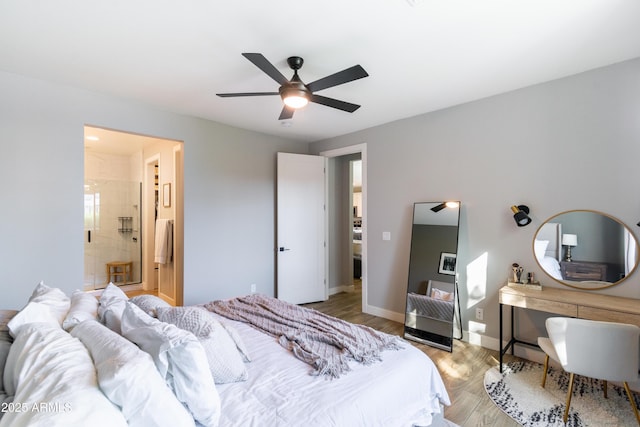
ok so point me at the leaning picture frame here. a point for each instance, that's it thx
(447, 263)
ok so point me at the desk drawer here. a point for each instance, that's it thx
(592, 313)
(540, 304)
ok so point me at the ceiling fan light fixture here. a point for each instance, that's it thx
(295, 101)
(295, 95)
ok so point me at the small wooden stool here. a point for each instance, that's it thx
(119, 269)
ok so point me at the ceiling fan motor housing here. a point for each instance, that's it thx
(295, 62)
(295, 86)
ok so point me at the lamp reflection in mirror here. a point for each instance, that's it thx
(451, 205)
(521, 215)
(569, 240)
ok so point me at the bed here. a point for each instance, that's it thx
(114, 372)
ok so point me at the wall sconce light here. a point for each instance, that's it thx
(569, 240)
(521, 215)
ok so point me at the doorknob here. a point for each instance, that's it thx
(282, 249)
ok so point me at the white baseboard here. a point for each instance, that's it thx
(523, 351)
(343, 288)
(387, 314)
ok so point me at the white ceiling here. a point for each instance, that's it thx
(421, 55)
(100, 140)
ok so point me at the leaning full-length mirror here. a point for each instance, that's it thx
(586, 249)
(431, 290)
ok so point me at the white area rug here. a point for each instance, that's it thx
(517, 392)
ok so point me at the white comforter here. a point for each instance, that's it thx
(55, 383)
(281, 392)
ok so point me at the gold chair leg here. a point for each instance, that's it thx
(544, 374)
(566, 409)
(633, 402)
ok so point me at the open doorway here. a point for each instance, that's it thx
(347, 220)
(131, 181)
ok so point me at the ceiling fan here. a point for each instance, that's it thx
(294, 92)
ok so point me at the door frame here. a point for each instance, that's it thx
(149, 279)
(178, 215)
(338, 152)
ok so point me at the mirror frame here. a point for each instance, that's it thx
(576, 285)
(427, 329)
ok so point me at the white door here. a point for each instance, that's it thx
(301, 228)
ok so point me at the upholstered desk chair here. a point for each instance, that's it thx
(603, 350)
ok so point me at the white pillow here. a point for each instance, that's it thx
(539, 248)
(180, 359)
(33, 312)
(48, 366)
(111, 306)
(149, 303)
(235, 336)
(441, 295)
(551, 266)
(128, 377)
(55, 298)
(225, 361)
(84, 306)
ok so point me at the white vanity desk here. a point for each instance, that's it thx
(570, 303)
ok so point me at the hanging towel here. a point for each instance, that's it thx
(164, 241)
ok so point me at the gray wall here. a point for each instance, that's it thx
(490, 154)
(229, 191)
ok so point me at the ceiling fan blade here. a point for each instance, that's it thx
(334, 103)
(350, 74)
(267, 67)
(229, 95)
(287, 113)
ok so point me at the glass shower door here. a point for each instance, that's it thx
(112, 243)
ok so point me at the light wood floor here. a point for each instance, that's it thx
(462, 370)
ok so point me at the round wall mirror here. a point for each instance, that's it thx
(586, 249)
